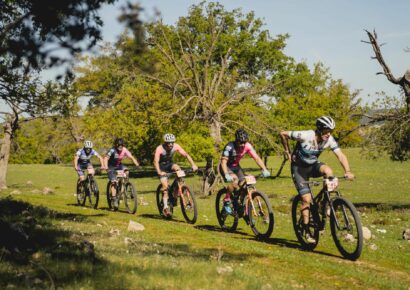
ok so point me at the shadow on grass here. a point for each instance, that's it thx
(381, 206)
(160, 217)
(34, 253)
(213, 228)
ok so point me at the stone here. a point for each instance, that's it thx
(367, 234)
(373, 247)
(47, 190)
(406, 234)
(224, 270)
(135, 227)
(114, 232)
(382, 231)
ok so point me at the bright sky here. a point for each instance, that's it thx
(329, 31)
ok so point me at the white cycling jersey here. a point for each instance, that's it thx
(307, 149)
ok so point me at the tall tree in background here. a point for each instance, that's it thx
(393, 135)
(214, 60)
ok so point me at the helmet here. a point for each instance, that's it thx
(325, 122)
(169, 138)
(88, 144)
(119, 142)
(241, 136)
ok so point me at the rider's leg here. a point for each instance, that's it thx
(325, 170)
(164, 189)
(113, 184)
(305, 208)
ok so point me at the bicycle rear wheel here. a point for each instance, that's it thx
(188, 205)
(228, 221)
(81, 193)
(130, 198)
(312, 229)
(346, 228)
(260, 215)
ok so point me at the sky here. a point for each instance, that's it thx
(326, 31)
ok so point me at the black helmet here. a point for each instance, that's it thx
(119, 142)
(241, 136)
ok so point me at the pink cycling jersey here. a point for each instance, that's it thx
(235, 154)
(165, 156)
(117, 156)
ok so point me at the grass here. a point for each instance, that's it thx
(51, 241)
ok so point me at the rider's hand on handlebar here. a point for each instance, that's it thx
(162, 173)
(349, 175)
(228, 177)
(194, 168)
(265, 173)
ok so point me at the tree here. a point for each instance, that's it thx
(391, 115)
(25, 98)
(31, 31)
(214, 60)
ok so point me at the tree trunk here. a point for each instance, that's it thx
(215, 132)
(5, 154)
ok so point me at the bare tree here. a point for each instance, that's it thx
(403, 82)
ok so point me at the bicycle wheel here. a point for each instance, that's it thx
(81, 193)
(311, 230)
(260, 215)
(160, 202)
(228, 221)
(93, 193)
(188, 205)
(130, 198)
(346, 228)
(110, 199)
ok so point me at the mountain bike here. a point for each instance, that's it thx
(179, 190)
(247, 203)
(88, 190)
(345, 224)
(125, 192)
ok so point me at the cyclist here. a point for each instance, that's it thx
(82, 160)
(163, 163)
(229, 167)
(113, 162)
(305, 163)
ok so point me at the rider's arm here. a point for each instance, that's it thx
(76, 161)
(193, 165)
(344, 162)
(284, 136)
(134, 160)
(156, 160)
(224, 162)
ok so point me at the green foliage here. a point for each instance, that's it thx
(317, 95)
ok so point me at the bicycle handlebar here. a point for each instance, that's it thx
(320, 181)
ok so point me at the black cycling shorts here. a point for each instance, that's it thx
(302, 173)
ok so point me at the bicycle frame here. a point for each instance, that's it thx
(176, 187)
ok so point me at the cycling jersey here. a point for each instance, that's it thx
(115, 156)
(307, 149)
(235, 154)
(165, 157)
(83, 158)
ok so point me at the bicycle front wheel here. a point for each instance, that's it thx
(130, 198)
(93, 193)
(188, 205)
(308, 236)
(227, 220)
(81, 193)
(260, 215)
(346, 228)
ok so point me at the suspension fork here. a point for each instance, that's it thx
(250, 202)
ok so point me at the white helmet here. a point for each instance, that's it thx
(169, 138)
(325, 122)
(88, 144)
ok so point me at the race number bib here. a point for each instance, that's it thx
(120, 173)
(250, 179)
(180, 173)
(332, 184)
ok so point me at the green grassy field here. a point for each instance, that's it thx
(52, 242)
